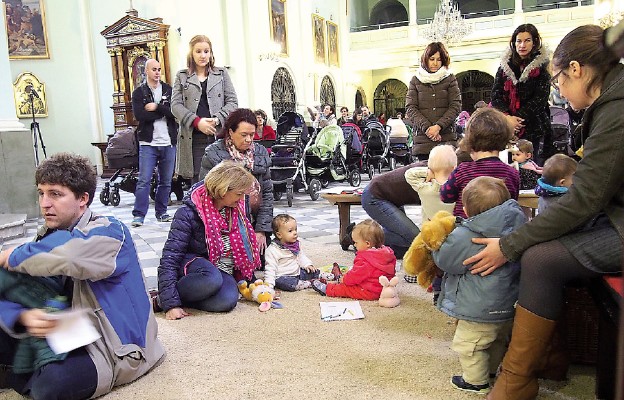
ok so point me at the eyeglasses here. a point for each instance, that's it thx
(554, 81)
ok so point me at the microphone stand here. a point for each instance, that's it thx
(36, 131)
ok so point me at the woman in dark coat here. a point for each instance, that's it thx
(210, 247)
(521, 89)
(433, 102)
(238, 145)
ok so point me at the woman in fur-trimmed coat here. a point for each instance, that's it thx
(521, 89)
(433, 101)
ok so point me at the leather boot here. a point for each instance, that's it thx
(557, 360)
(530, 338)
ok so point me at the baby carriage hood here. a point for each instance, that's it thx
(399, 129)
(326, 141)
(122, 150)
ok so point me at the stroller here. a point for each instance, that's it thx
(288, 170)
(400, 149)
(334, 156)
(122, 153)
(376, 147)
(561, 127)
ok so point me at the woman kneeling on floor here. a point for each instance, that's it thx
(211, 245)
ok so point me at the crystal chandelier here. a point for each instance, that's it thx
(447, 26)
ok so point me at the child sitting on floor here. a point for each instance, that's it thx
(286, 267)
(556, 179)
(529, 170)
(484, 306)
(426, 181)
(372, 260)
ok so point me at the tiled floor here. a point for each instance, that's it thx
(317, 221)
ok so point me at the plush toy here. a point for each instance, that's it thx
(260, 293)
(417, 259)
(390, 293)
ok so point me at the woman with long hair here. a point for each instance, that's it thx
(203, 96)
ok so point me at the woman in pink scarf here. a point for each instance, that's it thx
(211, 245)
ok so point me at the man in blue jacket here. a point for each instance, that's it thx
(157, 134)
(96, 260)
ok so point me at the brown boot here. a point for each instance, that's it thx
(557, 360)
(530, 337)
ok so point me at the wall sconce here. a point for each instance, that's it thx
(272, 53)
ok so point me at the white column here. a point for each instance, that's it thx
(8, 114)
(518, 7)
(413, 15)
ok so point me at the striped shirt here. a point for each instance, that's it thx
(226, 262)
(452, 190)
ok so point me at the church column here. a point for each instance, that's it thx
(413, 14)
(160, 45)
(111, 52)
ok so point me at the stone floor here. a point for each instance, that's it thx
(317, 221)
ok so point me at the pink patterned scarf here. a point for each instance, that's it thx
(242, 236)
(246, 157)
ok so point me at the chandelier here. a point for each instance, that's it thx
(447, 26)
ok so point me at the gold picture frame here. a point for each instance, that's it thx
(29, 92)
(318, 35)
(277, 17)
(26, 29)
(333, 52)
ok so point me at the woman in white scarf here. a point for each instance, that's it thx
(433, 101)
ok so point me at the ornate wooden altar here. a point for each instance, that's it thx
(131, 41)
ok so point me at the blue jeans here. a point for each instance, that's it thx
(205, 287)
(151, 157)
(73, 378)
(289, 283)
(399, 229)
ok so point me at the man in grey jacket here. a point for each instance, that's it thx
(96, 259)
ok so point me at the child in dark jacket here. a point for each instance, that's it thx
(528, 169)
(556, 179)
(372, 260)
(484, 305)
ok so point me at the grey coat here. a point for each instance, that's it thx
(184, 101)
(428, 104)
(217, 152)
(479, 298)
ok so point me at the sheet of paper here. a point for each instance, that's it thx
(74, 330)
(338, 190)
(341, 311)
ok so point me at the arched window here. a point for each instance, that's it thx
(283, 95)
(327, 94)
(390, 98)
(389, 13)
(474, 86)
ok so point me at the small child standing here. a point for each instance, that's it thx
(484, 306)
(556, 179)
(372, 260)
(529, 170)
(286, 267)
(487, 134)
(426, 181)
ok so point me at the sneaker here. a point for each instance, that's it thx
(319, 287)
(411, 278)
(137, 221)
(347, 240)
(164, 218)
(153, 294)
(459, 383)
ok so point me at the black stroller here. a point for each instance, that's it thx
(376, 146)
(562, 130)
(287, 162)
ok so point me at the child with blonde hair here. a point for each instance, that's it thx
(286, 267)
(372, 260)
(556, 179)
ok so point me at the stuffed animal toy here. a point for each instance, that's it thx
(417, 259)
(389, 293)
(260, 293)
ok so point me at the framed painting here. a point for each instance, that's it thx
(26, 29)
(332, 44)
(277, 12)
(318, 35)
(30, 96)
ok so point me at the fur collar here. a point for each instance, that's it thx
(432, 78)
(541, 59)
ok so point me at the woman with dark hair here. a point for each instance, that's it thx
(203, 95)
(579, 236)
(263, 131)
(210, 247)
(238, 145)
(521, 89)
(433, 101)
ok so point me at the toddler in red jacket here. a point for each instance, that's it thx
(372, 260)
